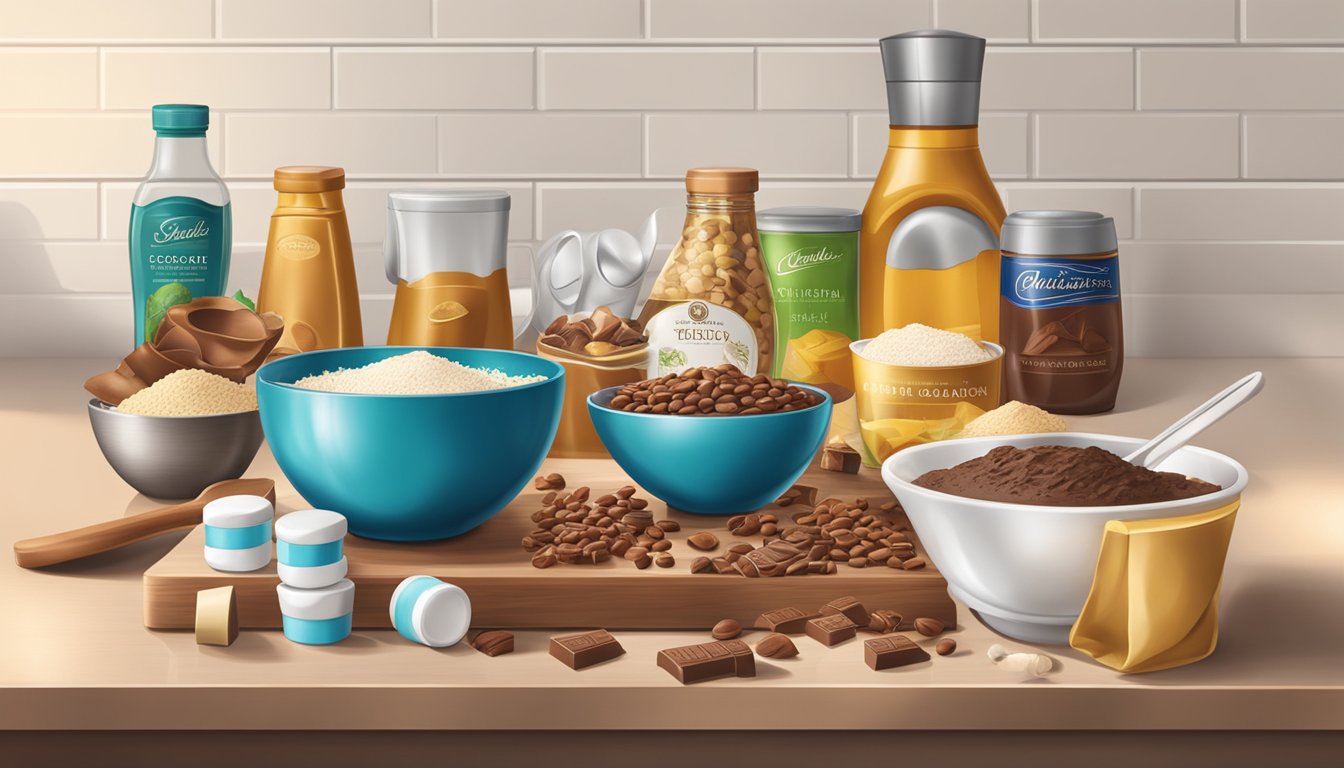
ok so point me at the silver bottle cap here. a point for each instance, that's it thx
(1058, 233)
(808, 218)
(933, 77)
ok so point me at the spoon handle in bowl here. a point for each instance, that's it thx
(106, 536)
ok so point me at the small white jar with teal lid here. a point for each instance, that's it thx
(317, 616)
(430, 612)
(309, 548)
(238, 533)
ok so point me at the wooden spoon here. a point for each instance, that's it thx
(114, 534)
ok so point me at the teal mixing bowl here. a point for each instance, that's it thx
(409, 467)
(712, 465)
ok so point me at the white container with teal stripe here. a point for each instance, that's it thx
(238, 533)
(430, 612)
(309, 548)
(317, 616)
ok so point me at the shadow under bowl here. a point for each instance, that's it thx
(410, 467)
(712, 465)
(175, 457)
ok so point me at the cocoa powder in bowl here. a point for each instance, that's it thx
(1061, 476)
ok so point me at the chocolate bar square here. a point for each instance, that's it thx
(788, 621)
(849, 607)
(830, 630)
(586, 648)
(707, 661)
(892, 651)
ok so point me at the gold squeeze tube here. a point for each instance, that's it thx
(584, 375)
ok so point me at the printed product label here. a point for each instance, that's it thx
(699, 334)
(1042, 283)
(814, 281)
(179, 251)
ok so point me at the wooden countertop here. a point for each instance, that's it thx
(75, 655)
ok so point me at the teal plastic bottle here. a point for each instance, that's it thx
(181, 227)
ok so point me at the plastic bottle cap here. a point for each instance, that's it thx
(242, 511)
(722, 181)
(309, 178)
(317, 604)
(311, 526)
(180, 119)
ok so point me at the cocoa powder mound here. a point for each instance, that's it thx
(1061, 476)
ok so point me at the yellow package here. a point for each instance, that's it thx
(1154, 598)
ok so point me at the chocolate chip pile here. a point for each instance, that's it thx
(601, 333)
(723, 390)
(832, 532)
(573, 530)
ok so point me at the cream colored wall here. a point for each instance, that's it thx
(1212, 130)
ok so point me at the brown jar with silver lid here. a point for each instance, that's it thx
(1059, 310)
(711, 303)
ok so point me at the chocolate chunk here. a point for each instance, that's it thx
(493, 643)
(586, 648)
(892, 651)
(840, 458)
(789, 621)
(707, 661)
(849, 607)
(771, 560)
(830, 630)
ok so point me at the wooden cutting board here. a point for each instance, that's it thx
(506, 591)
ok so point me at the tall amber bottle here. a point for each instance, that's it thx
(928, 251)
(308, 277)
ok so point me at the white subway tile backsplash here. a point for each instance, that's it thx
(647, 78)
(1241, 78)
(48, 78)
(224, 78)
(48, 212)
(777, 144)
(539, 19)
(1116, 201)
(539, 145)
(999, 21)
(1294, 212)
(1003, 143)
(363, 144)
(1208, 129)
(433, 78)
(1136, 20)
(1137, 146)
(1058, 79)
(822, 78)
(1294, 146)
(323, 19)
(102, 20)
(1179, 268)
(1293, 21)
(773, 19)
(81, 145)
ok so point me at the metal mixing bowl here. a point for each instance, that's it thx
(175, 457)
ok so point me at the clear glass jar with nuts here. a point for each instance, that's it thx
(711, 303)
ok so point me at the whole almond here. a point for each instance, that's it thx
(883, 621)
(726, 630)
(668, 525)
(634, 553)
(777, 646)
(915, 563)
(665, 560)
(946, 647)
(703, 541)
(929, 627)
(641, 562)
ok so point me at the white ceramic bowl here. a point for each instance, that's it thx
(1027, 569)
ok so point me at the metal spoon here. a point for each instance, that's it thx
(114, 534)
(1153, 452)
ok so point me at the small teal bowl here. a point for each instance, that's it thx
(712, 465)
(409, 467)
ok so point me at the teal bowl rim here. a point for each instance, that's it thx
(826, 400)
(557, 372)
(111, 410)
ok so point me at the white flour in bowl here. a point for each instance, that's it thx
(920, 345)
(414, 373)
